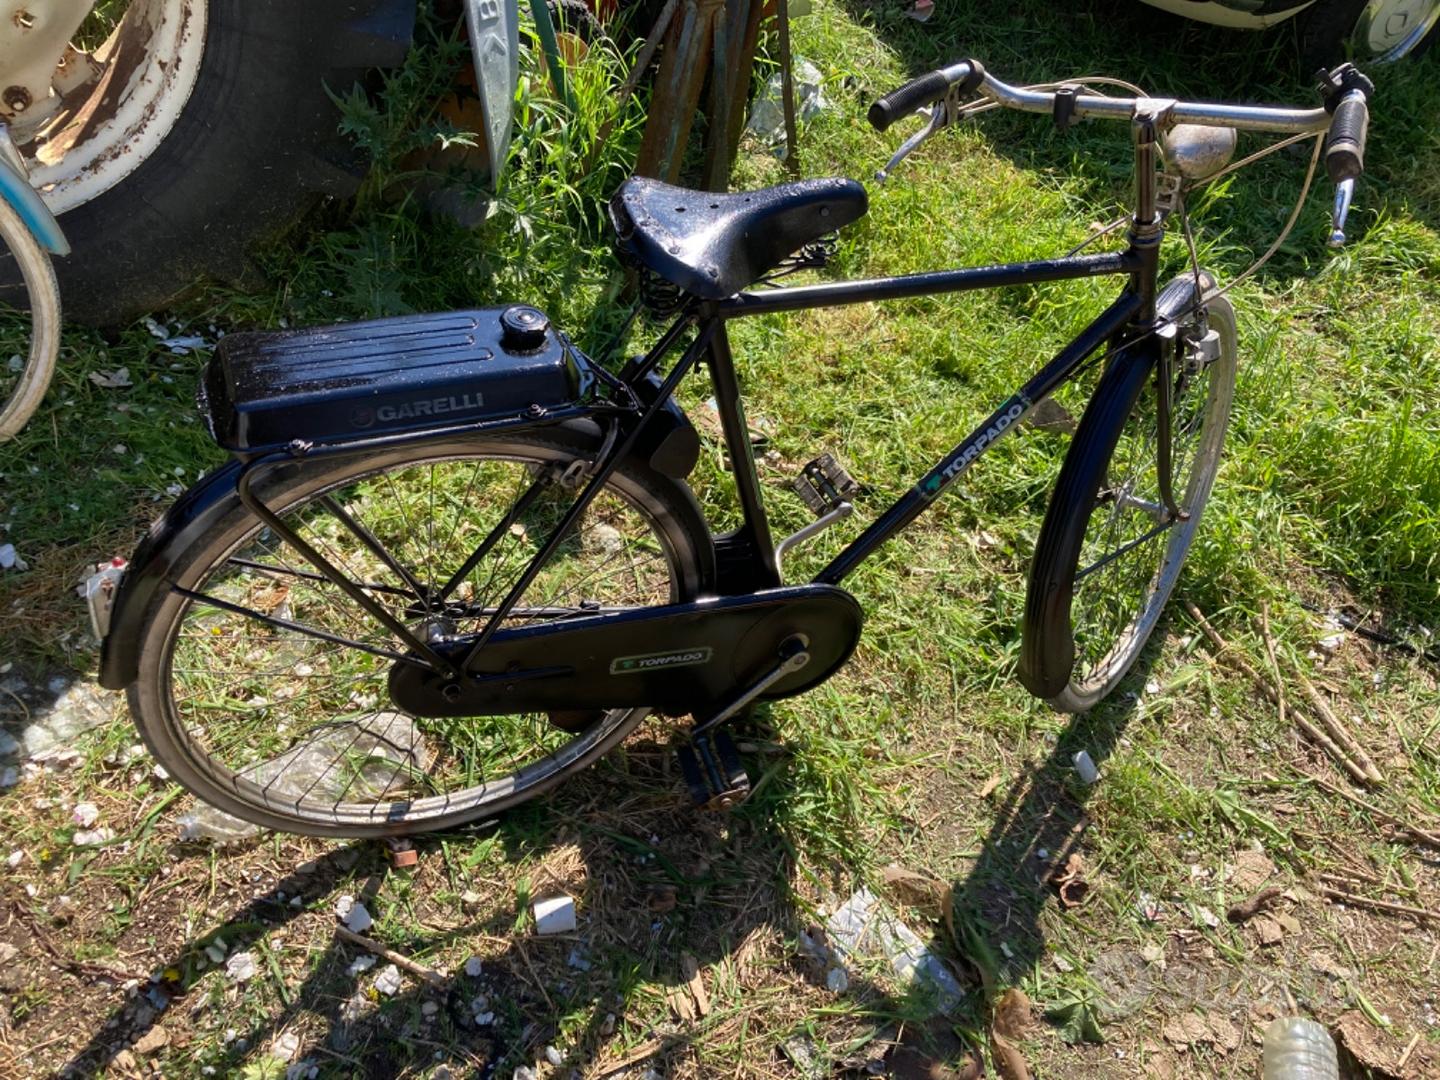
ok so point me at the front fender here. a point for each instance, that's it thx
(150, 571)
(21, 197)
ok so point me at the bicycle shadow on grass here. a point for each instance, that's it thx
(1039, 823)
(663, 891)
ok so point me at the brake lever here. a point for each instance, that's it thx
(1344, 192)
(942, 114)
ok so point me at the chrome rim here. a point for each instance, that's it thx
(1390, 29)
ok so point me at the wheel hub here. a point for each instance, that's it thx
(1389, 29)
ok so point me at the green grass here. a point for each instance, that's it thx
(1330, 493)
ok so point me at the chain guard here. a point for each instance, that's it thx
(677, 658)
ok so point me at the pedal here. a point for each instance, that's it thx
(823, 485)
(713, 772)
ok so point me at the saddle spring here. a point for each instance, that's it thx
(812, 256)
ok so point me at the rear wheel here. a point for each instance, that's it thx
(1109, 552)
(288, 723)
(29, 323)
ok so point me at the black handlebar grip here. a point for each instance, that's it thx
(915, 94)
(1345, 149)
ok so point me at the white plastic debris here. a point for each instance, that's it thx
(553, 1056)
(555, 915)
(837, 980)
(216, 951)
(285, 1047)
(92, 837)
(78, 707)
(767, 117)
(1085, 768)
(863, 925)
(216, 826)
(358, 919)
(241, 966)
(383, 753)
(15, 858)
(472, 967)
(388, 981)
(429, 1009)
(118, 379)
(98, 591)
(343, 903)
(360, 965)
(85, 814)
(9, 560)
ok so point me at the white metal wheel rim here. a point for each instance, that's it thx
(44, 297)
(1389, 29)
(167, 40)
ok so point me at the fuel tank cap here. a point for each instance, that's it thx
(523, 328)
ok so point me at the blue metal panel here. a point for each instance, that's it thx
(16, 191)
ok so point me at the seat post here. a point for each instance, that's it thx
(756, 529)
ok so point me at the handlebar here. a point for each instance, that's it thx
(1345, 148)
(1347, 127)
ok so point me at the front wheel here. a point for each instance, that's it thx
(1110, 552)
(29, 322)
(263, 688)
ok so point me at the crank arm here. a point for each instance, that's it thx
(794, 656)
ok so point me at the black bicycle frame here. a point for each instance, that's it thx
(1127, 324)
(1127, 318)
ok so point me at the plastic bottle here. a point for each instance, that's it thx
(1299, 1049)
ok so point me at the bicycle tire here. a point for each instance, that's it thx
(29, 308)
(1078, 645)
(193, 756)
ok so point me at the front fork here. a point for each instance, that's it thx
(1147, 230)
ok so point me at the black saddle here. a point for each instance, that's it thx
(712, 246)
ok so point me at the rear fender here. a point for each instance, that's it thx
(152, 567)
(149, 573)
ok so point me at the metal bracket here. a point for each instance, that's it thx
(1064, 111)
